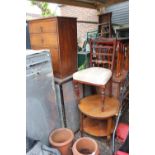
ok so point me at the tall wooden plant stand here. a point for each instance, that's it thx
(94, 121)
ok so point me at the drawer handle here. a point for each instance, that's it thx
(41, 29)
(42, 41)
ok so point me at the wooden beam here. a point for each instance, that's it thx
(107, 3)
(111, 2)
(93, 4)
(86, 22)
(71, 2)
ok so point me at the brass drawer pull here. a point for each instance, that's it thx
(42, 40)
(41, 28)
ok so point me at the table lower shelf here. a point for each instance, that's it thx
(95, 127)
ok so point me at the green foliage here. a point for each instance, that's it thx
(33, 2)
(84, 65)
(44, 8)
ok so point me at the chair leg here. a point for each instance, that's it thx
(81, 124)
(109, 126)
(102, 89)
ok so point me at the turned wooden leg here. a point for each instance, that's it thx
(102, 91)
(110, 88)
(81, 124)
(109, 127)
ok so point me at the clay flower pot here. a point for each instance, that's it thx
(62, 139)
(85, 146)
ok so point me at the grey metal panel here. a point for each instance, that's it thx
(59, 103)
(71, 107)
(120, 13)
(37, 58)
(41, 108)
(67, 105)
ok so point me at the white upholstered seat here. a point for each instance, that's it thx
(94, 75)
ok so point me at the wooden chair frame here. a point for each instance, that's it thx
(104, 49)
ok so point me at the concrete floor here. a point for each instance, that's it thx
(105, 148)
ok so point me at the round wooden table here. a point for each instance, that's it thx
(98, 122)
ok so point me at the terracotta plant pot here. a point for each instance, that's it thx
(85, 146)
(62, 139)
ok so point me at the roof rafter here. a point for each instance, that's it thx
(71, 2)
(93, 4)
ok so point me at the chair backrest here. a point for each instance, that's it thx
(102, 52)
(105, 27)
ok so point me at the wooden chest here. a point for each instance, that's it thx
(59, 34)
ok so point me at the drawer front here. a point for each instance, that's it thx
(44, 40)
(42, 26)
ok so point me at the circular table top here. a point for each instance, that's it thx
(91, 106)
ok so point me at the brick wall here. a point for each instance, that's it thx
(83, 14)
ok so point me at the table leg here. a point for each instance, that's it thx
(109, 127)
(81, 124)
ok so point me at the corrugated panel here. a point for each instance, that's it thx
(120, 13)
(42, 115)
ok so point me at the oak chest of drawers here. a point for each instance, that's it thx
(59, 34)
